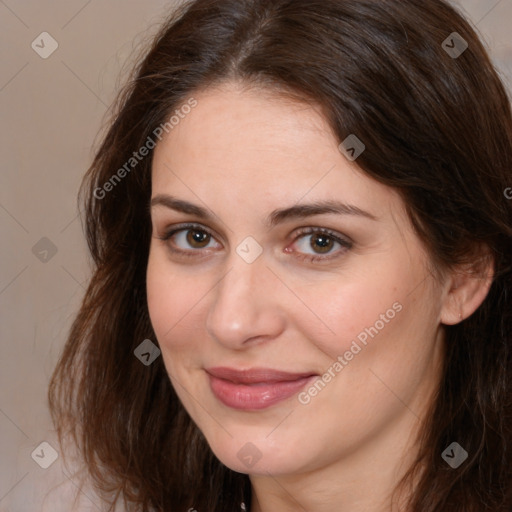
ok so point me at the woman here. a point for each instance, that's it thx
(302, 288)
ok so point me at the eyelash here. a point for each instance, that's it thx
(345, 243)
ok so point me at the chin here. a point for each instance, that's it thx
(256, 454)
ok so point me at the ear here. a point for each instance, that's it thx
(466, 288)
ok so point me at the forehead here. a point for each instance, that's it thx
(230, 122)
(239, 143)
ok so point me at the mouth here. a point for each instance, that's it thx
(255, 388)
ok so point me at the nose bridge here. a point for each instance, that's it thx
(242, 306)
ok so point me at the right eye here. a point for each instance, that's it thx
(192, 235)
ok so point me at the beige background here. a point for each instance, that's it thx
(51, 112)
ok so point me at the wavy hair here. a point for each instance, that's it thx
(437, 128)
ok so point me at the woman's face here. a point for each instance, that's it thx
(286, 364)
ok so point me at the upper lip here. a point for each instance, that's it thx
(255, 375)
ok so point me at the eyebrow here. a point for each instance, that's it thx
(297, 211)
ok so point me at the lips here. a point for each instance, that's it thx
(255, 388)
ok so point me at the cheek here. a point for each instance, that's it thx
(385, 340)
(351, 309)
(171, 299)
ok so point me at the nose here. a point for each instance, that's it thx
(245, 308)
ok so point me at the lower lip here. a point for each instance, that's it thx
(255, 396)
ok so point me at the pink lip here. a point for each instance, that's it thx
(256, 388)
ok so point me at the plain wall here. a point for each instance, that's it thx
(51, 111)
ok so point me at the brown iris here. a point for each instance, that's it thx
(196, 236)
(324, 242)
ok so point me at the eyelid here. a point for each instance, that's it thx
(308, 230)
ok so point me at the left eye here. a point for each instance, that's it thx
(321, 241)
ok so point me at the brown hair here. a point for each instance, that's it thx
(437, 128)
